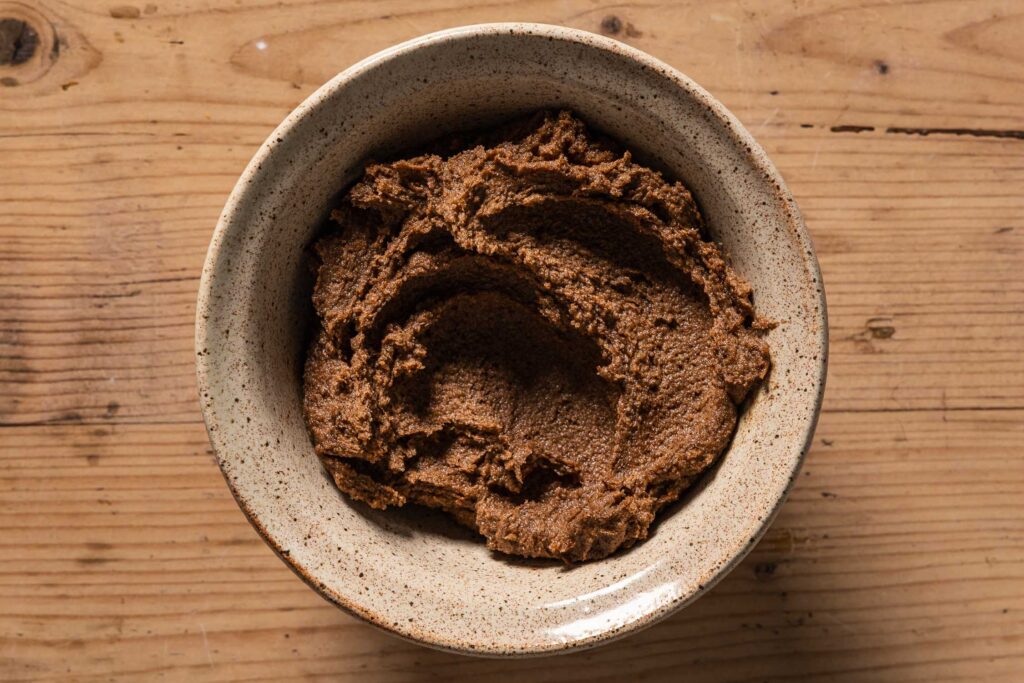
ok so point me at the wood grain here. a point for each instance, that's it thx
(900, 129)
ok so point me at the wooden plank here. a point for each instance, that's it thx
(105, 229)
(122, 543)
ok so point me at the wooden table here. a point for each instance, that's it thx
(900, 128)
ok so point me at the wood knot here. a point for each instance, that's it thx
(125, 12)
(880, 328)
(32, 52)
(18, 41)
(611, 24)
(765, 570)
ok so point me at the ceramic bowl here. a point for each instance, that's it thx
(414, 573)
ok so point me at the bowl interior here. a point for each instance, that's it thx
(407, 570)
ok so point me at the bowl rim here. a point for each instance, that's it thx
(745, 144)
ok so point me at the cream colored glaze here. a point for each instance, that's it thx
(414, 575)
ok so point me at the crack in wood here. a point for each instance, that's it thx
(924, 132)
(972, 132)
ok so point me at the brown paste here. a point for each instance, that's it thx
(526, 330)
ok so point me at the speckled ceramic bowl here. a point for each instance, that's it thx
(415, 574)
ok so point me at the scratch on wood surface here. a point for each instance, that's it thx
(206, 644)
(817, 150)
(767, 120)
(839, 622)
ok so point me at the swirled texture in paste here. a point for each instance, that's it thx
(528, 331)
